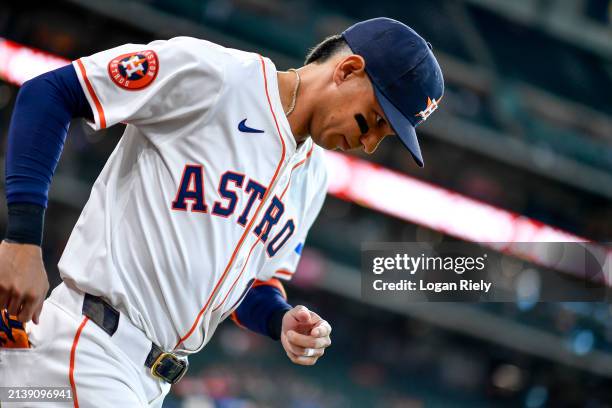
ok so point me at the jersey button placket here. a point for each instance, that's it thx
(239, 263)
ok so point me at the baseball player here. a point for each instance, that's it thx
(202, 208)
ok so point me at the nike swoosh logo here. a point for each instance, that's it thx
(244, 128)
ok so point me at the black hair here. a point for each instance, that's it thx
(326, 49)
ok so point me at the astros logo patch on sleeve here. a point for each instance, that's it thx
(134, 71)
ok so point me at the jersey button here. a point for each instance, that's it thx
(239, 263)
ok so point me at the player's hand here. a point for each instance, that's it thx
(304, 335)
(23, 280)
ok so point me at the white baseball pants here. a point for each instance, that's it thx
(69, 350)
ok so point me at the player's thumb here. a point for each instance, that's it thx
(302, 314)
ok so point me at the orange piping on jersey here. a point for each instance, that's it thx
(274, 282)
(296, 166)
(93, 95)
(284, 272)
(270, 282)
(72, 358)
(306, 158)
(250, 225)
(238, 277)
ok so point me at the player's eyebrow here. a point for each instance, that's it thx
(362, 123)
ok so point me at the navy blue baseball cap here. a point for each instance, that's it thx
(407, 79)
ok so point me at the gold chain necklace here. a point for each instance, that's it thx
(295, 92)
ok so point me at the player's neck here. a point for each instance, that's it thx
(298, 118)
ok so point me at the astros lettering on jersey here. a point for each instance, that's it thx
(205, 192)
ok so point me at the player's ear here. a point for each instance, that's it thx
(350, 66)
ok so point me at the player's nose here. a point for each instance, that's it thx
(370, 141)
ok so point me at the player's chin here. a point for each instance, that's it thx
(325, 141)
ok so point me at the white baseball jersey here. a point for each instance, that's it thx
(206, 190)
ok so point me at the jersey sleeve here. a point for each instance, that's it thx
(144, 84)
(284, 265)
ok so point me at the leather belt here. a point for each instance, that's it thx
(164, 365)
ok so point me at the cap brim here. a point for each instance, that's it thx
(402, 126)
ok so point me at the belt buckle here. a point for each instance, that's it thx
(169, 368)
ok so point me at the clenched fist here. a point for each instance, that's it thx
(304, 335)
(23, 280)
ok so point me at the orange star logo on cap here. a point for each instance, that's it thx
(432, 105)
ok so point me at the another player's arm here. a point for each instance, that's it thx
(41, 117)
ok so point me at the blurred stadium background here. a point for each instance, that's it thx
(521, 149)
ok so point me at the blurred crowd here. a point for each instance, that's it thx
(381, 359)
